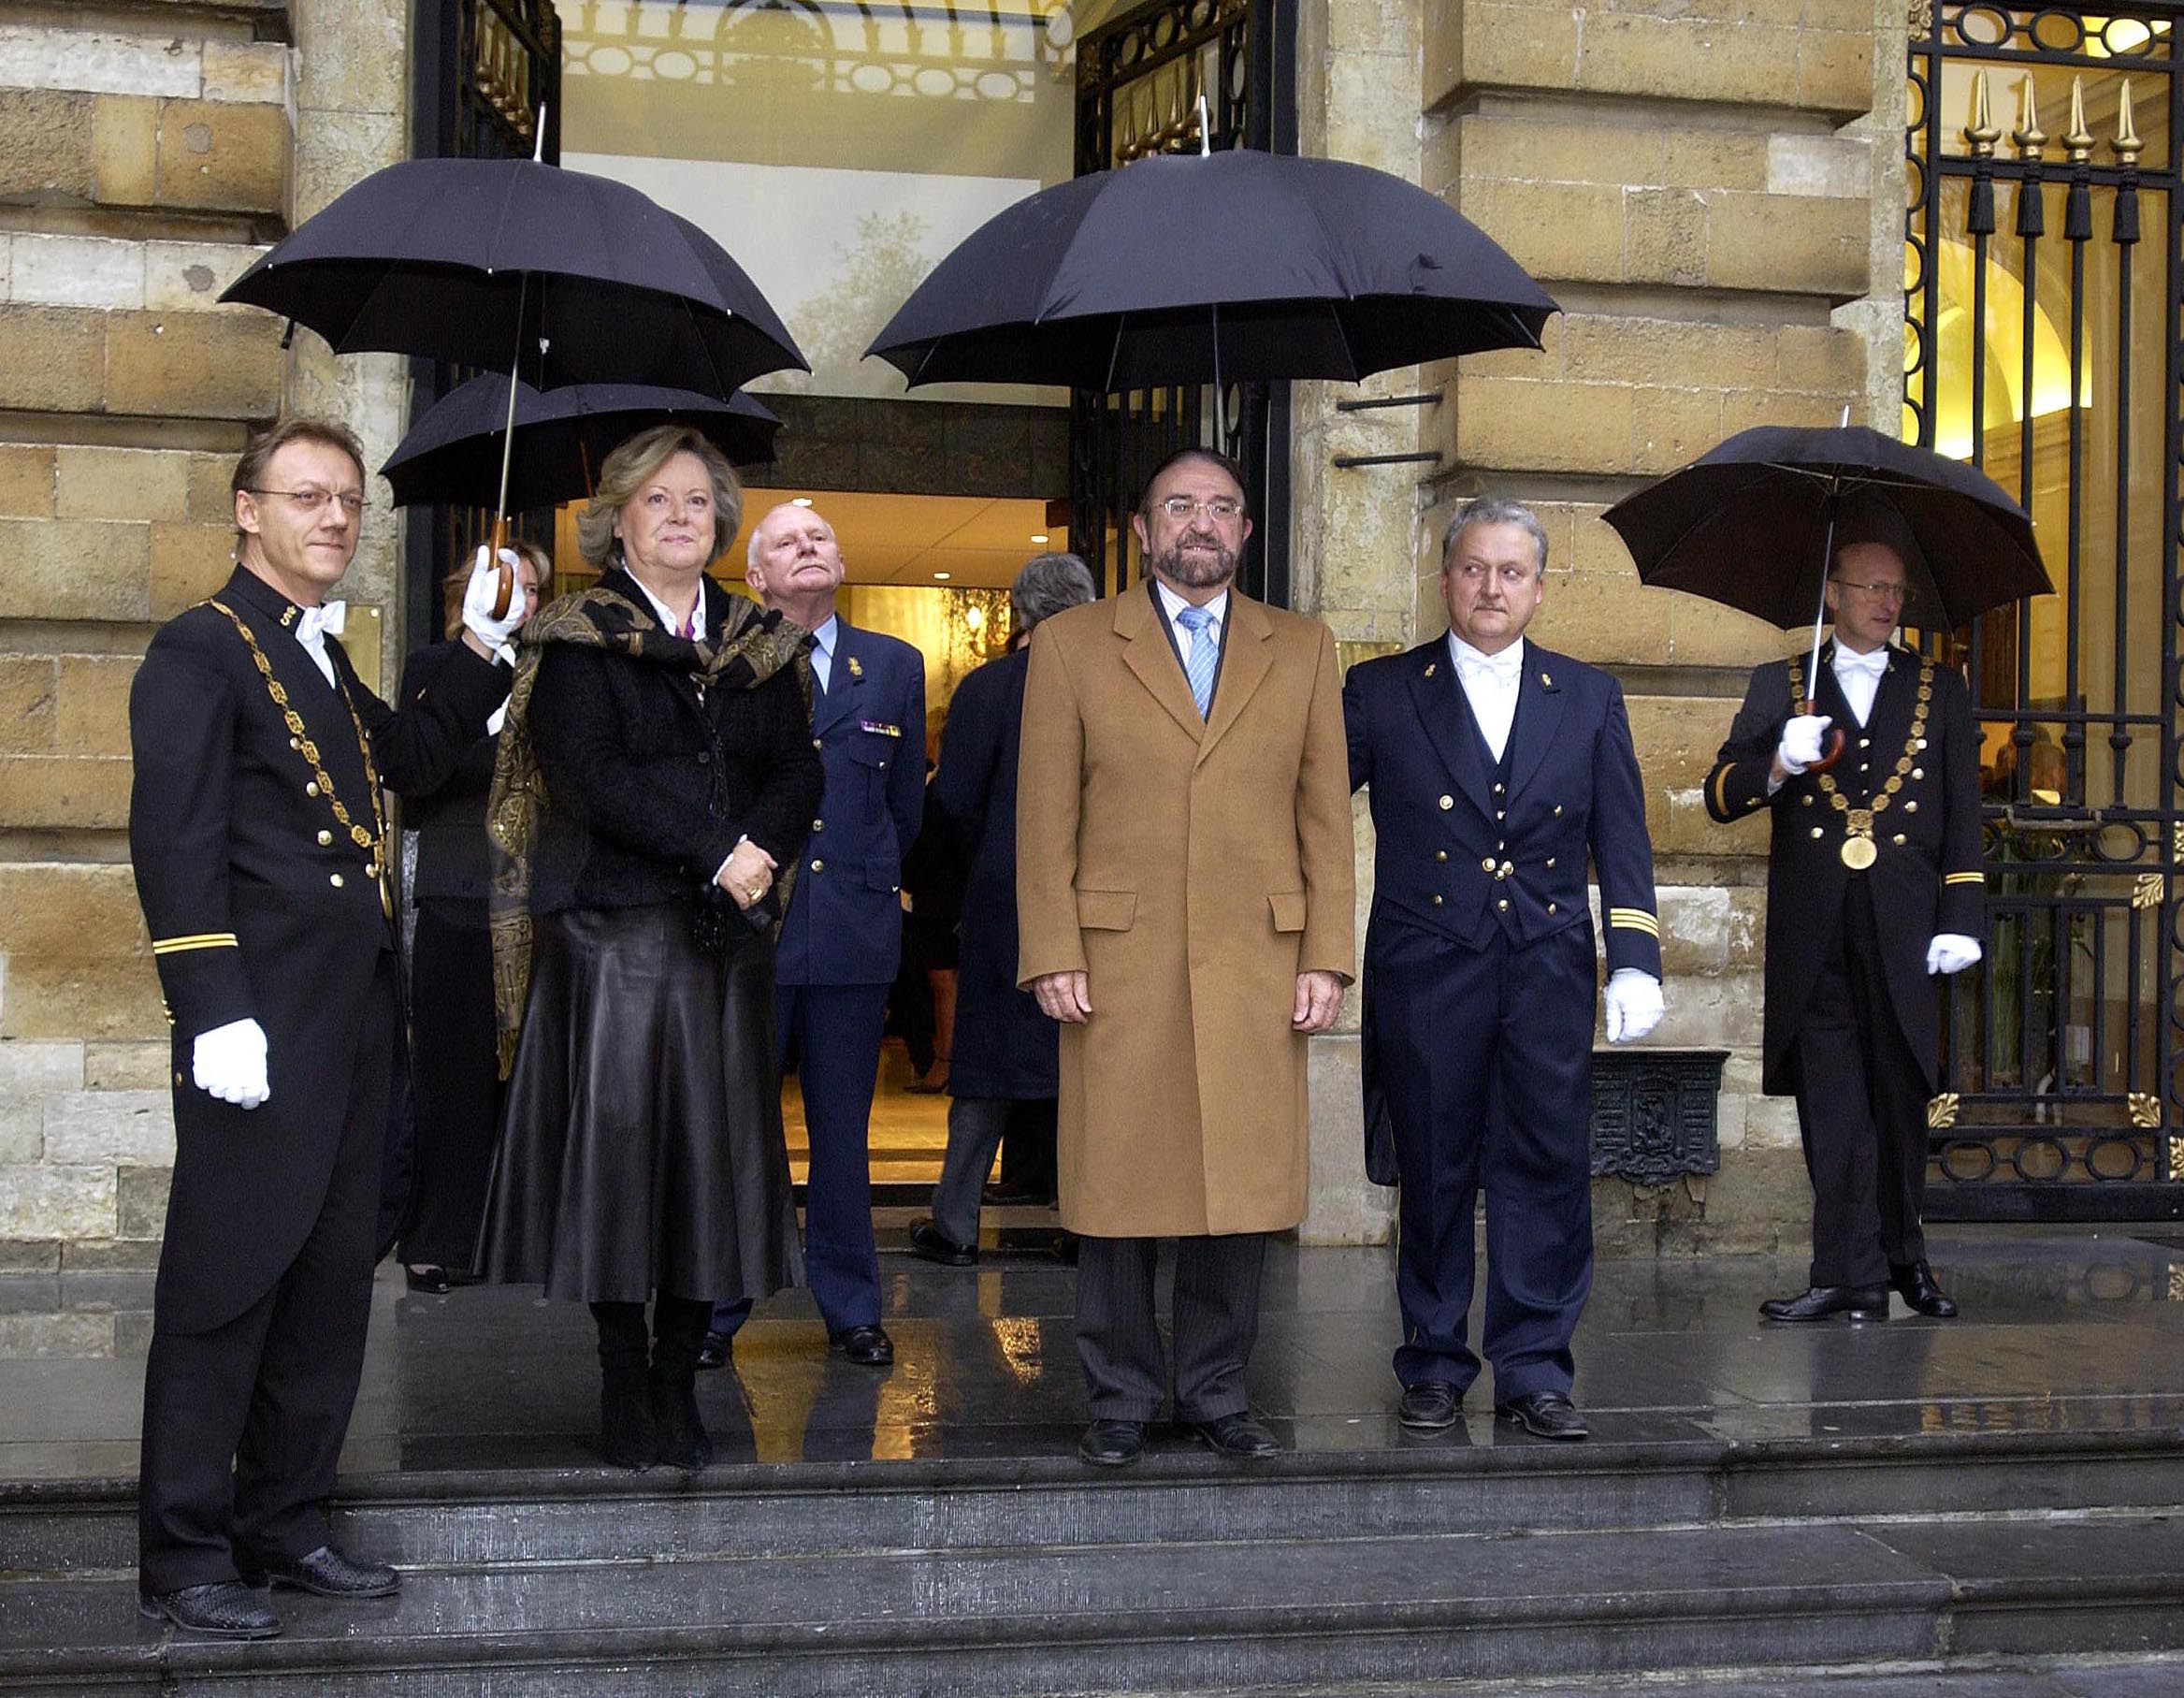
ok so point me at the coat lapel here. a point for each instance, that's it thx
(1145, 651)
(844, 682)
(1447, 718)
(1539, 716)
(1246, 658)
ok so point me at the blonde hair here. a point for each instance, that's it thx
(453, 587)
(634, 465)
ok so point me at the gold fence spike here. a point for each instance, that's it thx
(2077, 141)
(1980, 133)
(2028, 136)
(2127, 144)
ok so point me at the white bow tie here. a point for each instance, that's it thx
(1503, 668)
(1873, 666)
(321, 622)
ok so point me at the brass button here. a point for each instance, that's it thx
(1816, 831)
(817, 744)
(335, 880)
(1500, 813)
(296, 742)
(1447, 803)
(1865, 743)
(1550, 861)
(1918, 771)
(1920, 744)
(1503, 904)
(818, 825)
(324, 839)
(1808, 800)
(1441, 854)
(1498, 789)
(1911, 808)
(1501, 846)
(177, 1078)
(883, 767)
(312, 789)
(819, 866)
(1550, 907)
(1558, 810)
(1897, 839)
(1487, 865)
(1437, 900)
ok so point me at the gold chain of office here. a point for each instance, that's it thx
(299, 739)
(1859, 849)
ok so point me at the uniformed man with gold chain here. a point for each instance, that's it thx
(1874, 888)
(260, 852)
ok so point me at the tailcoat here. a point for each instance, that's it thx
(1925, 877)
(261, 905)
(1192, 869)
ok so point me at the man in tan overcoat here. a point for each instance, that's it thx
(1184, 891)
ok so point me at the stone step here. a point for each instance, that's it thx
(1271, 1615)
(462, 1519)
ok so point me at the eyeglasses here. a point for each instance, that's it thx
(1875, 592)
(313, 500)
(1221, 508)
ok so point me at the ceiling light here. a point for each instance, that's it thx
(1040, 536)
(801, 500)
(940, 577)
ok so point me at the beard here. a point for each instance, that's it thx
(1197, 572)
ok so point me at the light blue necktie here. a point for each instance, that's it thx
(1203, 656)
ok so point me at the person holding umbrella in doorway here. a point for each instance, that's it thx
(1873, 887)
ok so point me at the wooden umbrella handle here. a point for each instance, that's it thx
(504, 574)
(1832, 753)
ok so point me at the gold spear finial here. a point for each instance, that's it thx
(1980, 133)
(2028, 136)
(2127, 143)
(2077, 141)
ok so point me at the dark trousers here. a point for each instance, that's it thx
(1216, 1323)
(453, 1091)
(1486, 1060)
(834, 1030)
(1861, 1107)
(243, 1425)
(975, 1126)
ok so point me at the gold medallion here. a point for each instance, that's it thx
(1858, 853)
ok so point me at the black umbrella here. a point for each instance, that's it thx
(1755, 524)
(1182, 268)
(510, 264)
(452, 454)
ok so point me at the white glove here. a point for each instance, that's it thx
(478, 598)
(1951, 952)
(1634, 1004)
(1800, 746)
(229, 1062)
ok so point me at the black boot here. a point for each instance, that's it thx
(678, 1326)
(627, 1436)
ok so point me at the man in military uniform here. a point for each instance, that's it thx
(261, 854)
(1873, 886)
(842, 938)
(1495, 765)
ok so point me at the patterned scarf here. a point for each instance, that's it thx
(751, 646)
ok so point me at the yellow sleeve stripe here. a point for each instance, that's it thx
(196, 940)
(1964, 877)
(1635, 920)
(1721, 779)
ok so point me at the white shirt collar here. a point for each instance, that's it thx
(1507, 666)
(668, 617)
(1174, 604)
(823, 639)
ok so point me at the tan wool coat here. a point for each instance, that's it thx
(1192, 869)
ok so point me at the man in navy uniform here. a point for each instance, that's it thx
(260, 852)
(842, 939)
(1494, 767)
(1873, 887)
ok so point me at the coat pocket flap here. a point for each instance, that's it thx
(1106, 910)
(1289, 910)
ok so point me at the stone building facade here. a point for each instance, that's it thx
(1712, 190)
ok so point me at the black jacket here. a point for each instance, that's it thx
(650, 785)
(450, 822)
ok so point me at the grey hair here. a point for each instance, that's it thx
(1494, 510)
(624, 474)
(1047, 585)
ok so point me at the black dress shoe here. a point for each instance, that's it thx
(1112, 1443)
(1860, 1302)
(1430, 1406)
(330, 1573)
(927, 1241)
(433, 1282)
(1916, 1282)
(1236, 1436)
(226, 1609)
(715, 1350)
(867, 1347)
(1545, 1415)
(1002, 1195)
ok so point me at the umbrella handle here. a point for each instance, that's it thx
(1832, 753)
(504, 574)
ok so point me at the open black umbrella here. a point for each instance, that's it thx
(1755, 523)
(452, 454)
(1184, 268)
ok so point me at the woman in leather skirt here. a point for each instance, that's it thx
(656, 773)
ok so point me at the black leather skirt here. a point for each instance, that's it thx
(641, 1149)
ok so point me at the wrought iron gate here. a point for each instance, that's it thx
(1139, 80)
(2043, 276)
(484, 69)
